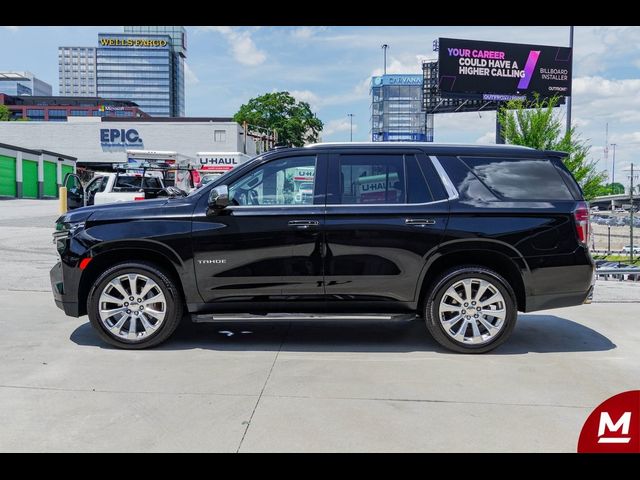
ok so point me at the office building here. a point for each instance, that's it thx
(136, 67)
(145, 64)
(99, 142)
(396, 109)
(60, 109)
(23, 83)
(77, 71)
(178, 46)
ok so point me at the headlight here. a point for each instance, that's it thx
(66, 230)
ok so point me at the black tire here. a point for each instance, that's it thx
(439, 287)
(172, 294)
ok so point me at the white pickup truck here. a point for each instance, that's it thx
(107, 187)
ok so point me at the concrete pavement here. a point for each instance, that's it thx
(293, 387)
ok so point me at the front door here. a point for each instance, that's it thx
(266, 246)
(382, 221)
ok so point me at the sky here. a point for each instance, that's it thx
(330, 67)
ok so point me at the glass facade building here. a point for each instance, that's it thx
(145, 64)
(136, 68)
(178, 44)
(77, 71)
(23, 83)
(396, 109)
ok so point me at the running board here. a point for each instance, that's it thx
(248, 317)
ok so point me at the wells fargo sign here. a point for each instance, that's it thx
(131, 42)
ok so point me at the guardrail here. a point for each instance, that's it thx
(619, 274)
(613, 271)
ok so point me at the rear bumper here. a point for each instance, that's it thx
(583, 277)
(64, 290)
(558, 300)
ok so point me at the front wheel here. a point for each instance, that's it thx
(135, 305)
(470, 309)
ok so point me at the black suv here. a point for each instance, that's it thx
(462, 236)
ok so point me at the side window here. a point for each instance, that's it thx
(520, 178)
(417, 187)
(286, 181)
(372, 179)
(465, 182)
(96, 185)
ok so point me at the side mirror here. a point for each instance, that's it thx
(219, 197)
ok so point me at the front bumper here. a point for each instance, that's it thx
(64, 290)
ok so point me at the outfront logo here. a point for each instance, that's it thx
(613, 427)
(120, 138)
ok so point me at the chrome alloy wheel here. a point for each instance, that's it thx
(132, 307)
(472, 311)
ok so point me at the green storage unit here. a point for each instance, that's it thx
(66, 169)
(7, 176)
(29, 179)
(50, 187)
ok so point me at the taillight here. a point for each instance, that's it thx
(581, 216)
(139, 198)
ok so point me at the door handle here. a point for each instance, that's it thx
(303, 223)
(419, 222)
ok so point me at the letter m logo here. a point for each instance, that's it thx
(607, 425)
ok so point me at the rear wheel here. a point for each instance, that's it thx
(135, 305)
(470, 309)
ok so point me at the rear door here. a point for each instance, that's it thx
(386, 212)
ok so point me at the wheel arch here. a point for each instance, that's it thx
(107, 257)
(477, 253)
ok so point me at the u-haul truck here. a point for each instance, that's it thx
(219, 163)
(378, 189)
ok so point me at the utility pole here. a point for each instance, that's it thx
(631, 179)
(384, 49)
(350, 115)
(569, 98)
(613, 168)
(606, 145)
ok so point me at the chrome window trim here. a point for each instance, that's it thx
(233, 207)
(448, 184)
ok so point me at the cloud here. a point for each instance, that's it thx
(305, 33)
(190, 77)
(243, 48)
(306, 96)
(338, 125)
(11, 29)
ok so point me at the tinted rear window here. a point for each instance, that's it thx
(519, 179)
(134, 183)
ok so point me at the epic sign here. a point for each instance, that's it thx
(120, 138)
(475, 67)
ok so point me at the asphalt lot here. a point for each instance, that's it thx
(295, 387)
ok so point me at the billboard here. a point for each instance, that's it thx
(504, 70)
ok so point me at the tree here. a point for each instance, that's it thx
(5, 113)
(614, 188)
(294, 121)
(534, 123)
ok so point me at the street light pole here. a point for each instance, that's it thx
(350, 115)
(569, 97)
(384, 49)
